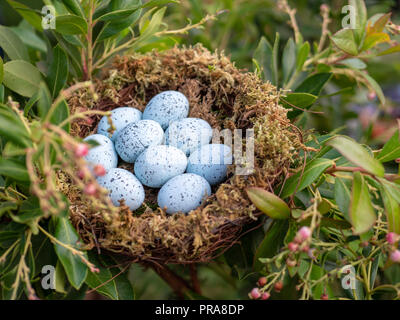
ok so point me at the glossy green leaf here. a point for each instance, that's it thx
(360, 11)
(268, 203)
(8, 119)
(289, 58)
(71, 24)
(61, 113)
(391, 149)
(74, 7)
(27, 14)
(356, 154)
(391, 50)
(44, 101)
(1, 93)
(344, 40)
(22, 77)
(299, 181)
(75, 269)
(354, 63)
(343, 195)
(302, 55)
(14, 170)
(392, 209)
(29, 210)
(7, 206)
(58, 71)
(314, 83)
(271, 243)
(12, 45)
(362, 214)
(263, 57)
(119, 14)
(298, 102)
(106, 282)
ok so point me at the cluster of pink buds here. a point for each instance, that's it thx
(255, 293)
(81, 150)
(392, 238)
(302, 235)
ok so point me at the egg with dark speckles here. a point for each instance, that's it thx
(123, 185)
(188, 134)
(157, 164)
(104, 153)
(120, 117)
(183, 193)
(166, 107)
(211, 162)
(136, 137)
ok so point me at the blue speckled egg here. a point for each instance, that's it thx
(103, 154)
(211, 162)
(121, 117)
(188, 134)
(136, 137)
(123, 185)
(183, 193)
(166, 107)
(157, 164)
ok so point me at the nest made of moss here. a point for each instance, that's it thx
(225, 97)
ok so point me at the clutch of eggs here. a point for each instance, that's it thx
(169, 151)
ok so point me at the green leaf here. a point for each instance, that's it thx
(1, 93)
(29, 210)
(27, 14)
(374, 269)
(360, 20)
(22, 77)
(392, 209)
(75, 269)
(314, 83)
(13, 170)
(302, 55)
(61, 113)
(354, 63)
(1, 72)
(378, 22)
(299, 181)
(74, 7)
(106, 284)
(298, 102)
(356, 154)
(391, 50)
(391, 149)
(19, 134)
(344, 40)
(7, 206)
(58, 71)
(289, 60)
(374, 39)
(263, 56)
(362, 214)
(268, 203)
(44, 101)
(71, 24)
(12, 45)
(119, 14)
(271, 243)
(343, 195)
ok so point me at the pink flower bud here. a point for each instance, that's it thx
(303, 234)
(262, 281)
(255, 293)
(371, 95)
(99, 170)
(265, 296)
(90, 189)
(278, 286)
(392, 238)
(395, 256)
(81, 150)
(324, 296)
(292, 246)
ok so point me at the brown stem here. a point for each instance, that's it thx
(177, 284)
(195, 279)
(332, 170)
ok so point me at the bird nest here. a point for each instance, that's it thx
(224, 96)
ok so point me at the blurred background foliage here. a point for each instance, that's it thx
(240, 25)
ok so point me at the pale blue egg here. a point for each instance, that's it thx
(157, 164)
(136, 137)
(123, 185)
(211, 162)
(103, 154)
(121, 117)
(183, 193)
(188, 134)
(166, 107)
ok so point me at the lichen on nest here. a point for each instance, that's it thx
(226, 97)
